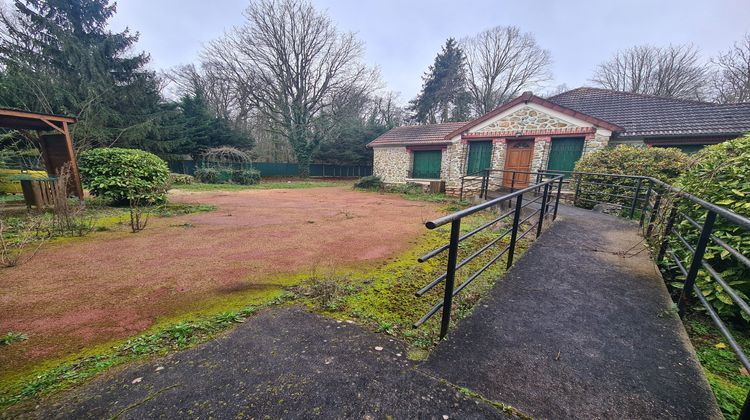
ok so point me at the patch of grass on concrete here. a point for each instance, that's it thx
(384, 297)
(264, 185)
(729, 380)
(159, 341)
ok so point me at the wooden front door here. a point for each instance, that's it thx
(518, 154)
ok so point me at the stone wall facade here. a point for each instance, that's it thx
(393, 164)
(526, 118)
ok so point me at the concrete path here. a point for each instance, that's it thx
(282, 363)
(581, 327)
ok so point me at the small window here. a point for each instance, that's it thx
(426, 164)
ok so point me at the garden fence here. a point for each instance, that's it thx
(270, 169)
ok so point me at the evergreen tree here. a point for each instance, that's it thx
(59, 57)
(444, 96)
(202, 130)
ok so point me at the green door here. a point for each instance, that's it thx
(427, 164)
(564, 153)
(480, 156)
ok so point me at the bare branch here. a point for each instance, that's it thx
(502, 62)
(675, 71)
(731, 81)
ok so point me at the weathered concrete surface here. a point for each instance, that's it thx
(284, 363)
(580, 327)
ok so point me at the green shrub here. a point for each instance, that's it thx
(720, 174)
(658, 162)
(369, 183)
(246, 176)
(180, 179)
(119, 174)
(207, 175)
(661, 163)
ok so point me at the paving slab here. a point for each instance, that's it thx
(282, 363)
(580, 327)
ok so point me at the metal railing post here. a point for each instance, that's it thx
(635, 198)
(450, 277)
(578, 189)
(667, 231)
(542, 210)
(645, 205)
(745, 413)
(557, 199)
(514, 231)
(695, 265)
(485, 183)
(654, 214)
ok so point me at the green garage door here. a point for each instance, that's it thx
(564, 153)
(427, 164)
(480, 156)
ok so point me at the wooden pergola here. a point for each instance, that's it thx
(57, 148)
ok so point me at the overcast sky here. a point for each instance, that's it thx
(402, 36)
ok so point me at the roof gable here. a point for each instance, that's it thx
(527, 98)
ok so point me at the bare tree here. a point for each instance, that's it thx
(731, 81)
(291, 63)
(675, 71)
(501, 62)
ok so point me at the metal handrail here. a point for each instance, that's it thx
(551, 188)
(656, 205)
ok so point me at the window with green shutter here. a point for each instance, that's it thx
(480, 156)
(564, 153)
(427, 164)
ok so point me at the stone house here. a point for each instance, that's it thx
(530, 133)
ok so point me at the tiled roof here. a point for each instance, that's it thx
(646, 115)
(416, 134)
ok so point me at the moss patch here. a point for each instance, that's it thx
(384, 297)
(161, 339)
(728, 379)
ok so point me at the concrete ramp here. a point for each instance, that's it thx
(581, 327)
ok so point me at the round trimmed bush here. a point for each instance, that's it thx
(720, 174)
(207, 175)
(119, 174)
(246, 176)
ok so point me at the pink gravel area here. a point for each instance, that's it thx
(111, 285)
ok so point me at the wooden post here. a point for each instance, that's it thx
(73, 164)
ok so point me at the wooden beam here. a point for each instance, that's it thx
(55, 127)
(36, 116)
(73, 162)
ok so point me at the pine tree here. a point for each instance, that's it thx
(59, 57)
(444, 96)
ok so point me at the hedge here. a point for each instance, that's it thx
(661, 163)
(720, 174)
